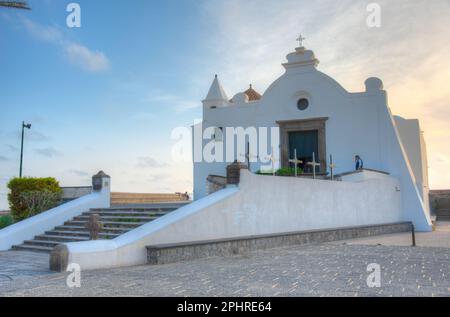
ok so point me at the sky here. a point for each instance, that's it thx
(106, 96)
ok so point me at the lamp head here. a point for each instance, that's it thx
(28, 126)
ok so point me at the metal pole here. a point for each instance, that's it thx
(413, 235)
(21, 150)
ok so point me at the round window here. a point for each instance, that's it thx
(302, 104)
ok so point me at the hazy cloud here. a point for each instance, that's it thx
(79, 173)
(12, 148)
(48, 152)
(149, 162)
(3, 158)
(30, 135)
(177, 103)
(85, 58)
(76, 53)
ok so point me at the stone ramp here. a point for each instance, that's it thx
(116, 221)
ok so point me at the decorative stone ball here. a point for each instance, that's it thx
(240, 98)
(373, 84)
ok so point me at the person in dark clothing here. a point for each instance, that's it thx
(359, 163)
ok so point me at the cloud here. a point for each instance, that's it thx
(48, 152)
(149, 162)
(178, 103)
(85, 58)
(79, 173)
(30, 135)
(42, 32)
(12, 148)
(76, 53)
(441, 158)
(3, 158)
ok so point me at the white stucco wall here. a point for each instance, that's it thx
(358, 123)
(260, 205)
(415, 148)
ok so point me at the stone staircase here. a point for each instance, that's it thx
(443, 215)
(442, 206)
(116, 221)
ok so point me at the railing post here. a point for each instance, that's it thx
(413, 235)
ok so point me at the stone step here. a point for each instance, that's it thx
(126, 213)
(84, 229)
(134, 209)
(443, 212)
(42, 243)
(33, 248)
(118, 218)
(102, 235)
(106, 224)
(443, 218)
(60, 238)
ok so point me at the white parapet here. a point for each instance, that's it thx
(27, 229)
(259, 205)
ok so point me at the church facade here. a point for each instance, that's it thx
(319, 121)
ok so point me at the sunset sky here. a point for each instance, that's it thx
(107, 95)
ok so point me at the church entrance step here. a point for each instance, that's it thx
(33, 248)
(41, 243)
(118, 218)
(102, 235)
(84, 229)
(126, 213)
(60, 238)
(106, 224)
(137, 209)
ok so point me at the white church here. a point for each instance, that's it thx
(316, 119)
(319, 121)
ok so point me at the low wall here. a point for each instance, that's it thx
(260, 205)
(74, 192)
(27, 229)
(145, 198)
(170, 253)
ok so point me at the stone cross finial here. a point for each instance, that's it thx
(295, 161)
(272, 158)
(313, 163)
(332, 167)
(300, 40)
(95, 226)
(248, 156)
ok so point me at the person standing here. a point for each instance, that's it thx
(359, 163)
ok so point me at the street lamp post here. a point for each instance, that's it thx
(28, 126)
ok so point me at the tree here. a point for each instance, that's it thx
(15, 4)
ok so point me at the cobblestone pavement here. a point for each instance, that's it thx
(17, 265)
(315, 270)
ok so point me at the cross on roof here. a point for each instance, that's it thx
(300, 40)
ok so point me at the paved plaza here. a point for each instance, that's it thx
(333, 269)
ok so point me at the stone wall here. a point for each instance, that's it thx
(164, 254)
(439, 199)
(145, 198)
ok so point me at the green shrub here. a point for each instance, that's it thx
(6, 221)
(288, 171)
(31, 196)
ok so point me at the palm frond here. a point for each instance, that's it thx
(15, 4)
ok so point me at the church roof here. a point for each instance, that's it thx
(216, 92)
(252, 94)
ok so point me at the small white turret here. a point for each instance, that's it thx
(216, 96)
